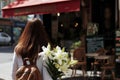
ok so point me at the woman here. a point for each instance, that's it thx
(29, 45)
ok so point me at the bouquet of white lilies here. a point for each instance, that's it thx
(57, 61)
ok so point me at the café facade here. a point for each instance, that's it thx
(93, 22)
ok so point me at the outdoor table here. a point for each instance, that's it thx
(103, 59)
(75, 78)
(90, 59)
(92, 54)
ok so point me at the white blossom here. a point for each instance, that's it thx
(59, 57)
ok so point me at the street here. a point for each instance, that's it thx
(6, 53)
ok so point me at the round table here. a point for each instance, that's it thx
(92, 54)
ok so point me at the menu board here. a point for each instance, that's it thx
(94, 43)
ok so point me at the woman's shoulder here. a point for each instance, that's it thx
(18, 59)
(15, 54)
(40, 57)
(41, 54)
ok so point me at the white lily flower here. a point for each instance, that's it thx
(72, 62)
(60, 58)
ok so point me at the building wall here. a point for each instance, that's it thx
(4, 3)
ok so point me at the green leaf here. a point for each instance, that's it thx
(52, 70)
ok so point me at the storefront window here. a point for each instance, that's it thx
(16, 32)
(6, 29)
(69, 28)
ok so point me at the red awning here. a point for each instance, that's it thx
(25, 7)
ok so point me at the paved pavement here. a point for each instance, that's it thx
(6, 54)
(5, 66)
(5, 71)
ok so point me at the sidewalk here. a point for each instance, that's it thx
(5, 66)
(5, 71)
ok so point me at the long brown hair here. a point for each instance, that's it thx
(32, 39)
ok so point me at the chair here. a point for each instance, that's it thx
(101, 51)
(79, 54)
(96, 63)
(108, 66)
